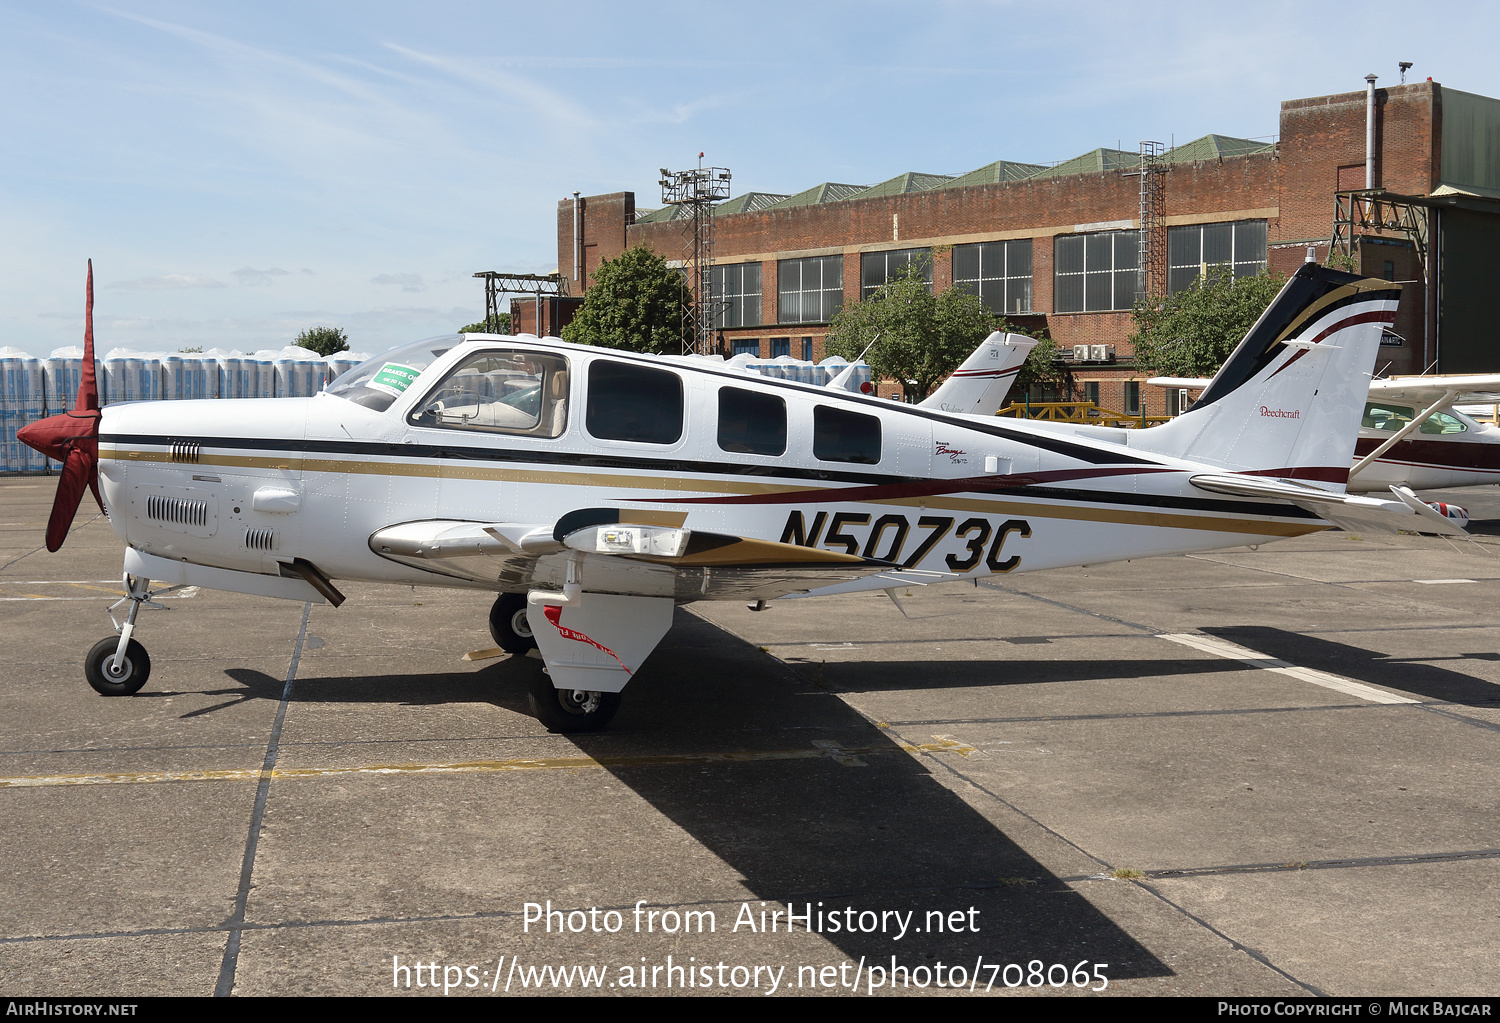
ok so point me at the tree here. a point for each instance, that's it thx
(635, 303)
(1192, 332)
(1039, 372)
(499, 325)
(922, 337)
(324, 340)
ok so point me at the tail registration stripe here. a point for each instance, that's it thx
(1233, 652)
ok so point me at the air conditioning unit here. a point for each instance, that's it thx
(1080, 353)
(1101, 353)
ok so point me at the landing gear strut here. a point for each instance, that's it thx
(119, 666)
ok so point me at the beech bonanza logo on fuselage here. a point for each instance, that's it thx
(886, 538)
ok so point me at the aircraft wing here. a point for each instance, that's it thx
(1424, 390)
(1347, 511)
(618, 551)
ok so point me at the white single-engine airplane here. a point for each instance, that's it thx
(595, 489)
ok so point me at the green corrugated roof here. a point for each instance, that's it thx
(1215, 147)
(748, 203)
(997, 173)
(828, 191)
(901, 184)
(1095, 161)
(654, 216)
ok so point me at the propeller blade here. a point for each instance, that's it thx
(88, 386)
(78, 472)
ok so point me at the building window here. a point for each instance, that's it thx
(806, 349)
(1096, 272)
(1389, 273)
(781, 346)
(1192, 249)
(998, 272)
(1091, 391)
(809, 290)
(1133, 397)
(747, 346)
(737, 294)
(876, 268)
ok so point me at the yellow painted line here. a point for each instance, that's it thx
(942, 744)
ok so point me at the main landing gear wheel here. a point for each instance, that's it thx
(132, 673)
(571, 710)
(508, 625)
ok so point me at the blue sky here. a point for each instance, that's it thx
(239, 172)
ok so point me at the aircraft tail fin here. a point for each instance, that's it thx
(979, 386)
(1287, 403)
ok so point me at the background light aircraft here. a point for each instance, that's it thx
(1412, 435)
(595, 489)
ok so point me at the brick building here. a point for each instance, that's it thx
(1059, 247)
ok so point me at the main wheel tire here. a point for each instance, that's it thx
(571, 710)
(134, 669)
(508, 624)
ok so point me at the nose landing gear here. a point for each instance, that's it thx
(120, 666)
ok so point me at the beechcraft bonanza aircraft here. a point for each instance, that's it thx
(595, 490)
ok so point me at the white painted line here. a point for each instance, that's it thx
(1221, 648)
(1441, 582)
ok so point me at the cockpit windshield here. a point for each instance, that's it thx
(376, 383)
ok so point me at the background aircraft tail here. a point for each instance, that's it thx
(1288, 401)
(980, 385)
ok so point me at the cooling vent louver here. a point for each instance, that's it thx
(186, 450)
(177, 510)
(260, 539)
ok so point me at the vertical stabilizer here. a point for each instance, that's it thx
(1288, 401)
(980, 385)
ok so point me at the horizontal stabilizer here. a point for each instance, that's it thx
(1347, 511)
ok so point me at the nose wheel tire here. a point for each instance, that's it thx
(508, 625)
(571, 710)
(132, 673)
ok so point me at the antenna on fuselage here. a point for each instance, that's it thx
(841, 382)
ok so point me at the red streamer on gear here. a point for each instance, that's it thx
(553, 613)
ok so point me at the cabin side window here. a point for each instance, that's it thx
(501, 392)
(840, 436)
(751, 423)
(634, 403)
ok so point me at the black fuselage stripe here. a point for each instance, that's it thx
(678, 467)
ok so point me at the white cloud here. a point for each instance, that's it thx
(259, 278)
(408, 282)
(167, 282)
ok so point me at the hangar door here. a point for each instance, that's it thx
(1470, 266)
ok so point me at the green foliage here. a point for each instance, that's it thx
(1039, 372)
(634, 303)
(500, 324)
(324, 340)
(922, 337)
(1191, 333)
(195, 350)
(1341, 261)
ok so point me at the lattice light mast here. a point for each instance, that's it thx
(695, 192)
(1153, 255)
